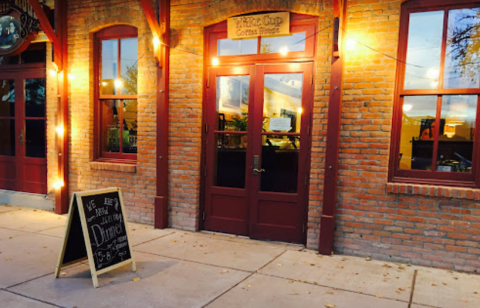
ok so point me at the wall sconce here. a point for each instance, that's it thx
(58, 184)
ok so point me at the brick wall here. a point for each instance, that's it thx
(432, 226)
(138, 184)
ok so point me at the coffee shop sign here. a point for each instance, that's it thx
(259, 25)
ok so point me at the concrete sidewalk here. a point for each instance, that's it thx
(184, 269)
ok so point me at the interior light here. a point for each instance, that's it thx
(60, 130)
(215, 61)
(351, 43)
(407, 107)
(118, 83)
(104, 83)
(58, 184)
(284, 51)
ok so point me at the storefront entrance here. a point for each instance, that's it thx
(257, 150)
(23, 164)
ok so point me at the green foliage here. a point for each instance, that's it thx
(240, 124)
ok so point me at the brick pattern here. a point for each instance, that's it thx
(85, 18)
(418, 224)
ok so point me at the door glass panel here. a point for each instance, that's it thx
(461, 62)
(455, 142)
(232, 103)
(287, 43)
(109, 67)
(230, 160)
(35, 138)
(35, 98)
(7, 98)
(280, 162)
(229, 47)
(418, 131)
(7, 137)
(130, 127)
(111, 125)
(282, 105)
(424, 50)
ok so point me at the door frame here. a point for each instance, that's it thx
(219, 31)
(25, 71)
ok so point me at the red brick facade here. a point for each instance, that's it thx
(417, 224)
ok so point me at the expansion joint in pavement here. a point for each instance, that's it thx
(32, 298)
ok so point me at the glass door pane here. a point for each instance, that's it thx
(231, 124)
(282, 110)
(7, 117)
(34, 137)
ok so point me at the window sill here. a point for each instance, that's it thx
(113, 166)
(434, 191)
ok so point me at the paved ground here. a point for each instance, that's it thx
(183, 269)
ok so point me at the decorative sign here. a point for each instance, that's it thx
(280, 124)
(259, 25)
(97, 230)
(18, 25)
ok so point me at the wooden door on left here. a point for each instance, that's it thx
(23, 163)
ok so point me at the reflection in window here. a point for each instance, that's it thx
(113, 81)
(293, 42)
(7, 98)
(232, 103)
(282, 107)
(229, 47)
(130, 126)
(424, 50)
(455, 144)
(111, 125)
(35, 98)
(462, 61)
(418, 124)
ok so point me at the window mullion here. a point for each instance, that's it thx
(437, 133)
(443, 53)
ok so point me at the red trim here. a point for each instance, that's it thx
(161, 198)
(327, 220)
(48, 29)
(422, 176)
(111, 33)
(61, 195)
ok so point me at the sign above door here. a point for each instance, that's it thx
(18, 25)
(259, 25)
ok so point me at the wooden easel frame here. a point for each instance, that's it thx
(76, 198)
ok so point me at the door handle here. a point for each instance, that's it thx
(256, 168)
(20, 137)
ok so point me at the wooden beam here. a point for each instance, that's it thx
(327, 219)
(47, 28)
(161, 198)
(61, 24)
(154, 27)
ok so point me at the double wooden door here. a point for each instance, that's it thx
(257, 148)
(23, 164)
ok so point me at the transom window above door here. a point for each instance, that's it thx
(298, 44)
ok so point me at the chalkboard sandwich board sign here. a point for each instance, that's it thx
(96, 230)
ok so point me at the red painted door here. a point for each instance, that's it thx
(23, 164)
(258, 150)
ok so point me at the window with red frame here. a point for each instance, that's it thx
(434, 138)
(116, 72)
